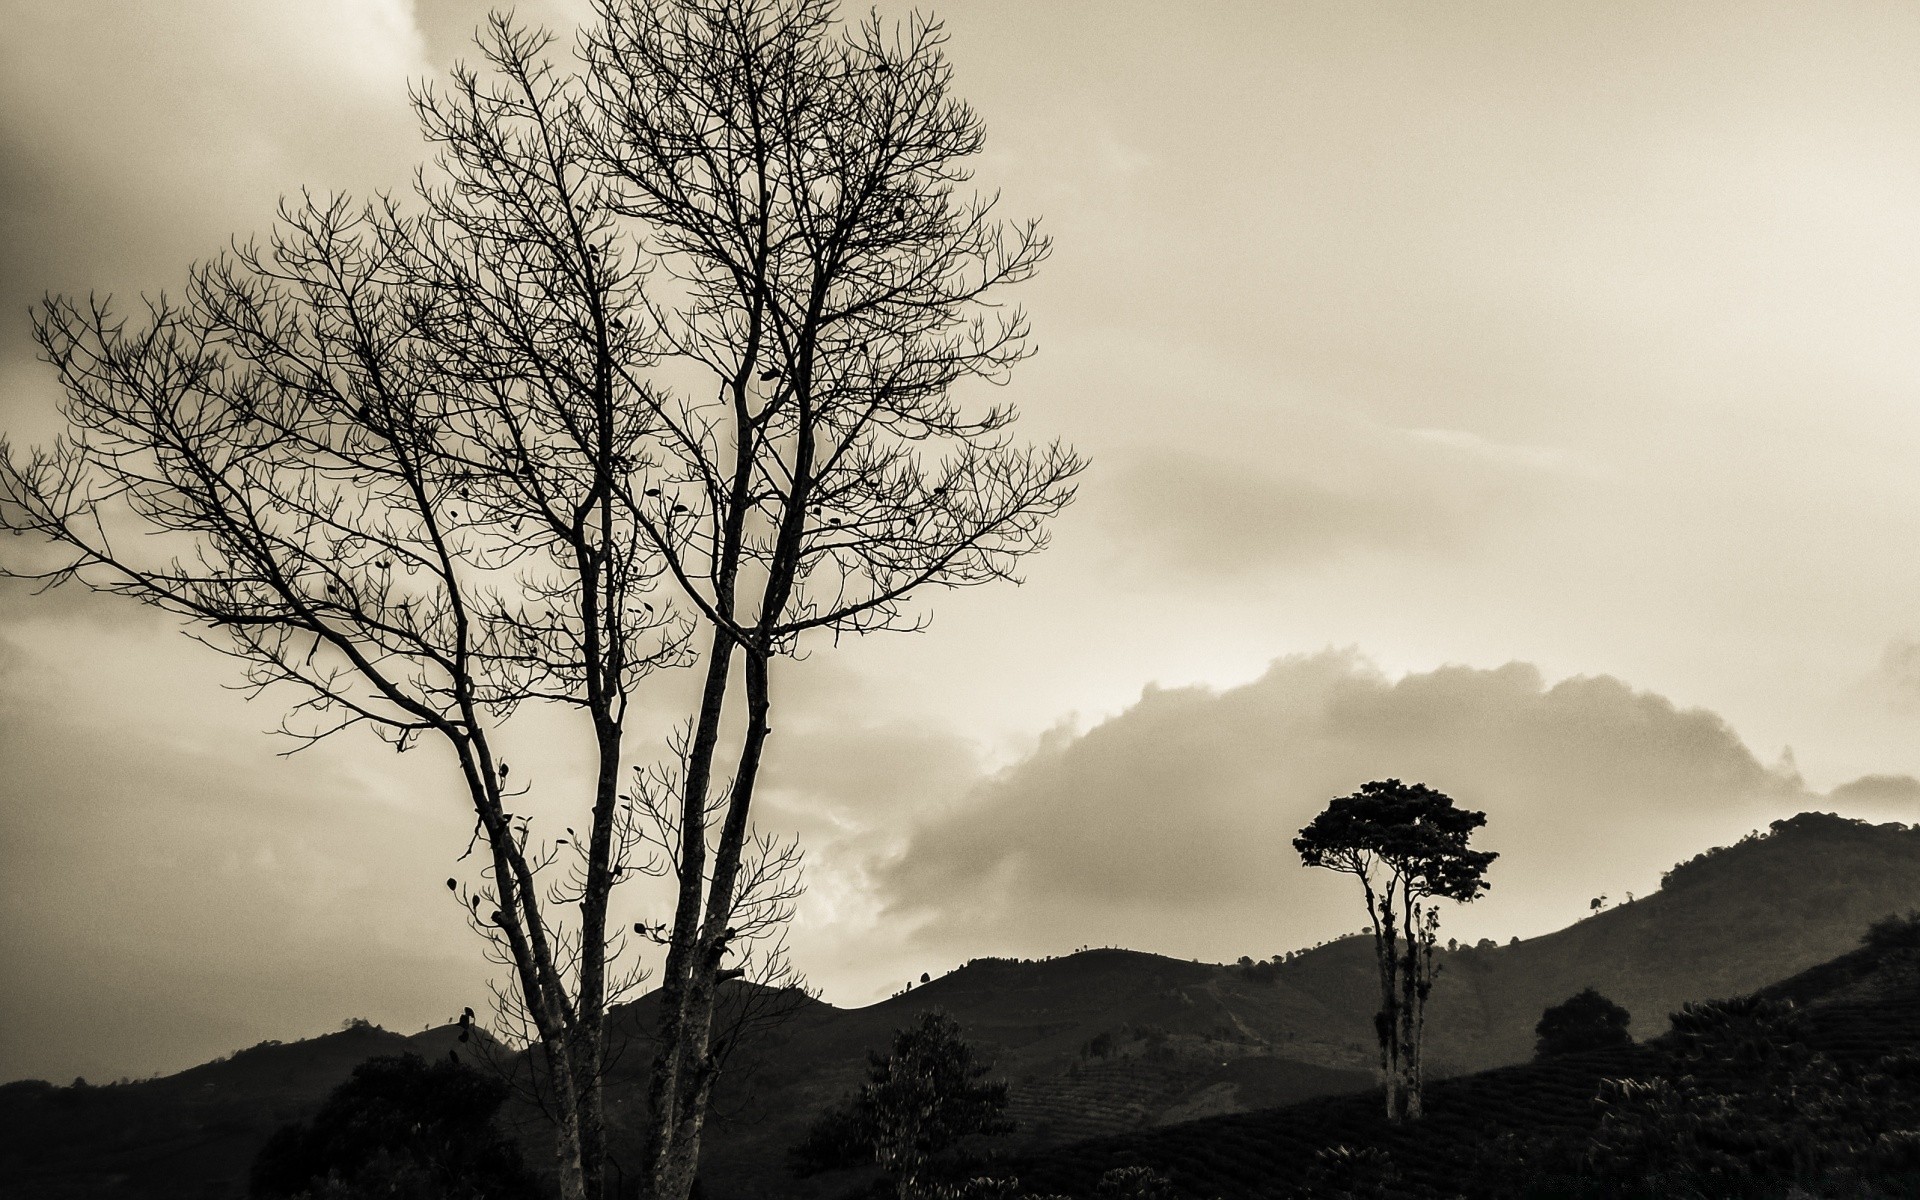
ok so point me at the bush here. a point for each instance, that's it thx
(1341, 1172)
(1895, 932)
(1745, 1035)
(400, 1129)
(1135, 1183)
(1584, 1021)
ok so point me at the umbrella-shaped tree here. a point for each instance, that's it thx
(1407, 845)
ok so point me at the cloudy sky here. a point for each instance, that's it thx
(1517, 397)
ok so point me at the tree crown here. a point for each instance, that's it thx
(1411, 830)
(920, 1099)
(1586, 1020)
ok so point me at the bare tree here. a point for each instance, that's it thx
(420, 467)
(380, 461)
(800, 182)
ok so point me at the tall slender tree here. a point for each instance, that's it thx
(656, 369)
(1407, 845)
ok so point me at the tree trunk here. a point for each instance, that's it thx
(676, 1165)
(1414, 985)
(572, 1165)
(591, 1120)
(1386, 1022)
(676, 1169)
(1410, 1099)
(663, 1167)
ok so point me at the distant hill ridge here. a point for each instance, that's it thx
(1099, 1042)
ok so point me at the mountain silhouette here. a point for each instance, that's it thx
(1103, 1043)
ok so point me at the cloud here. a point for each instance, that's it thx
(1169, 826)
(170, 890)
(1321, 491)
(1226, 517)
(135, 139)
(1900, 793)
(1898, 676)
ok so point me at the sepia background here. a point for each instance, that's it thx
(1515, 397)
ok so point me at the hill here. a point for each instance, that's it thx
(1728, 922)
(1182, 1040)
(190, 1134)
(1524, 1130)
(1105, 1042)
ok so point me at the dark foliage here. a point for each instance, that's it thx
(1756, 1098)
(1584, 1021)
(1747, 1107)
(1135, 1183)
(1408, 825)
(399, 1128)
(920, 1101)
(1895, 932)
(1266, 970)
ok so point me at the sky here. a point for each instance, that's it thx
(1516, 397)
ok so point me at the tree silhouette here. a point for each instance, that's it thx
(1584, 1021)
(399, 1127)
(920, 1101)
(656, 370)
(1407, 845)
(800, 183)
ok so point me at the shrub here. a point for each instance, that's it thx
(1584, 1021)
(1895, 932)
(399, 1128)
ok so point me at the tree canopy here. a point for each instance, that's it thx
(399, 1127)
(1410, 829)
(921, 1099)
(1584, 1021)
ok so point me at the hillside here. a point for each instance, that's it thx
(1105, 1042)
(190, 1134)
(1511, 1130)
(1091, 1043)
(1186, 1040)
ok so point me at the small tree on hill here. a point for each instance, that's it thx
(1407, 845)
(1584, 1021)
(919, 1101)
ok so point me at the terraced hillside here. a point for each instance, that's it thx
(1857, 1010)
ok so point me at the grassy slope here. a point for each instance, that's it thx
(1858, 1007)
(1726, 924)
